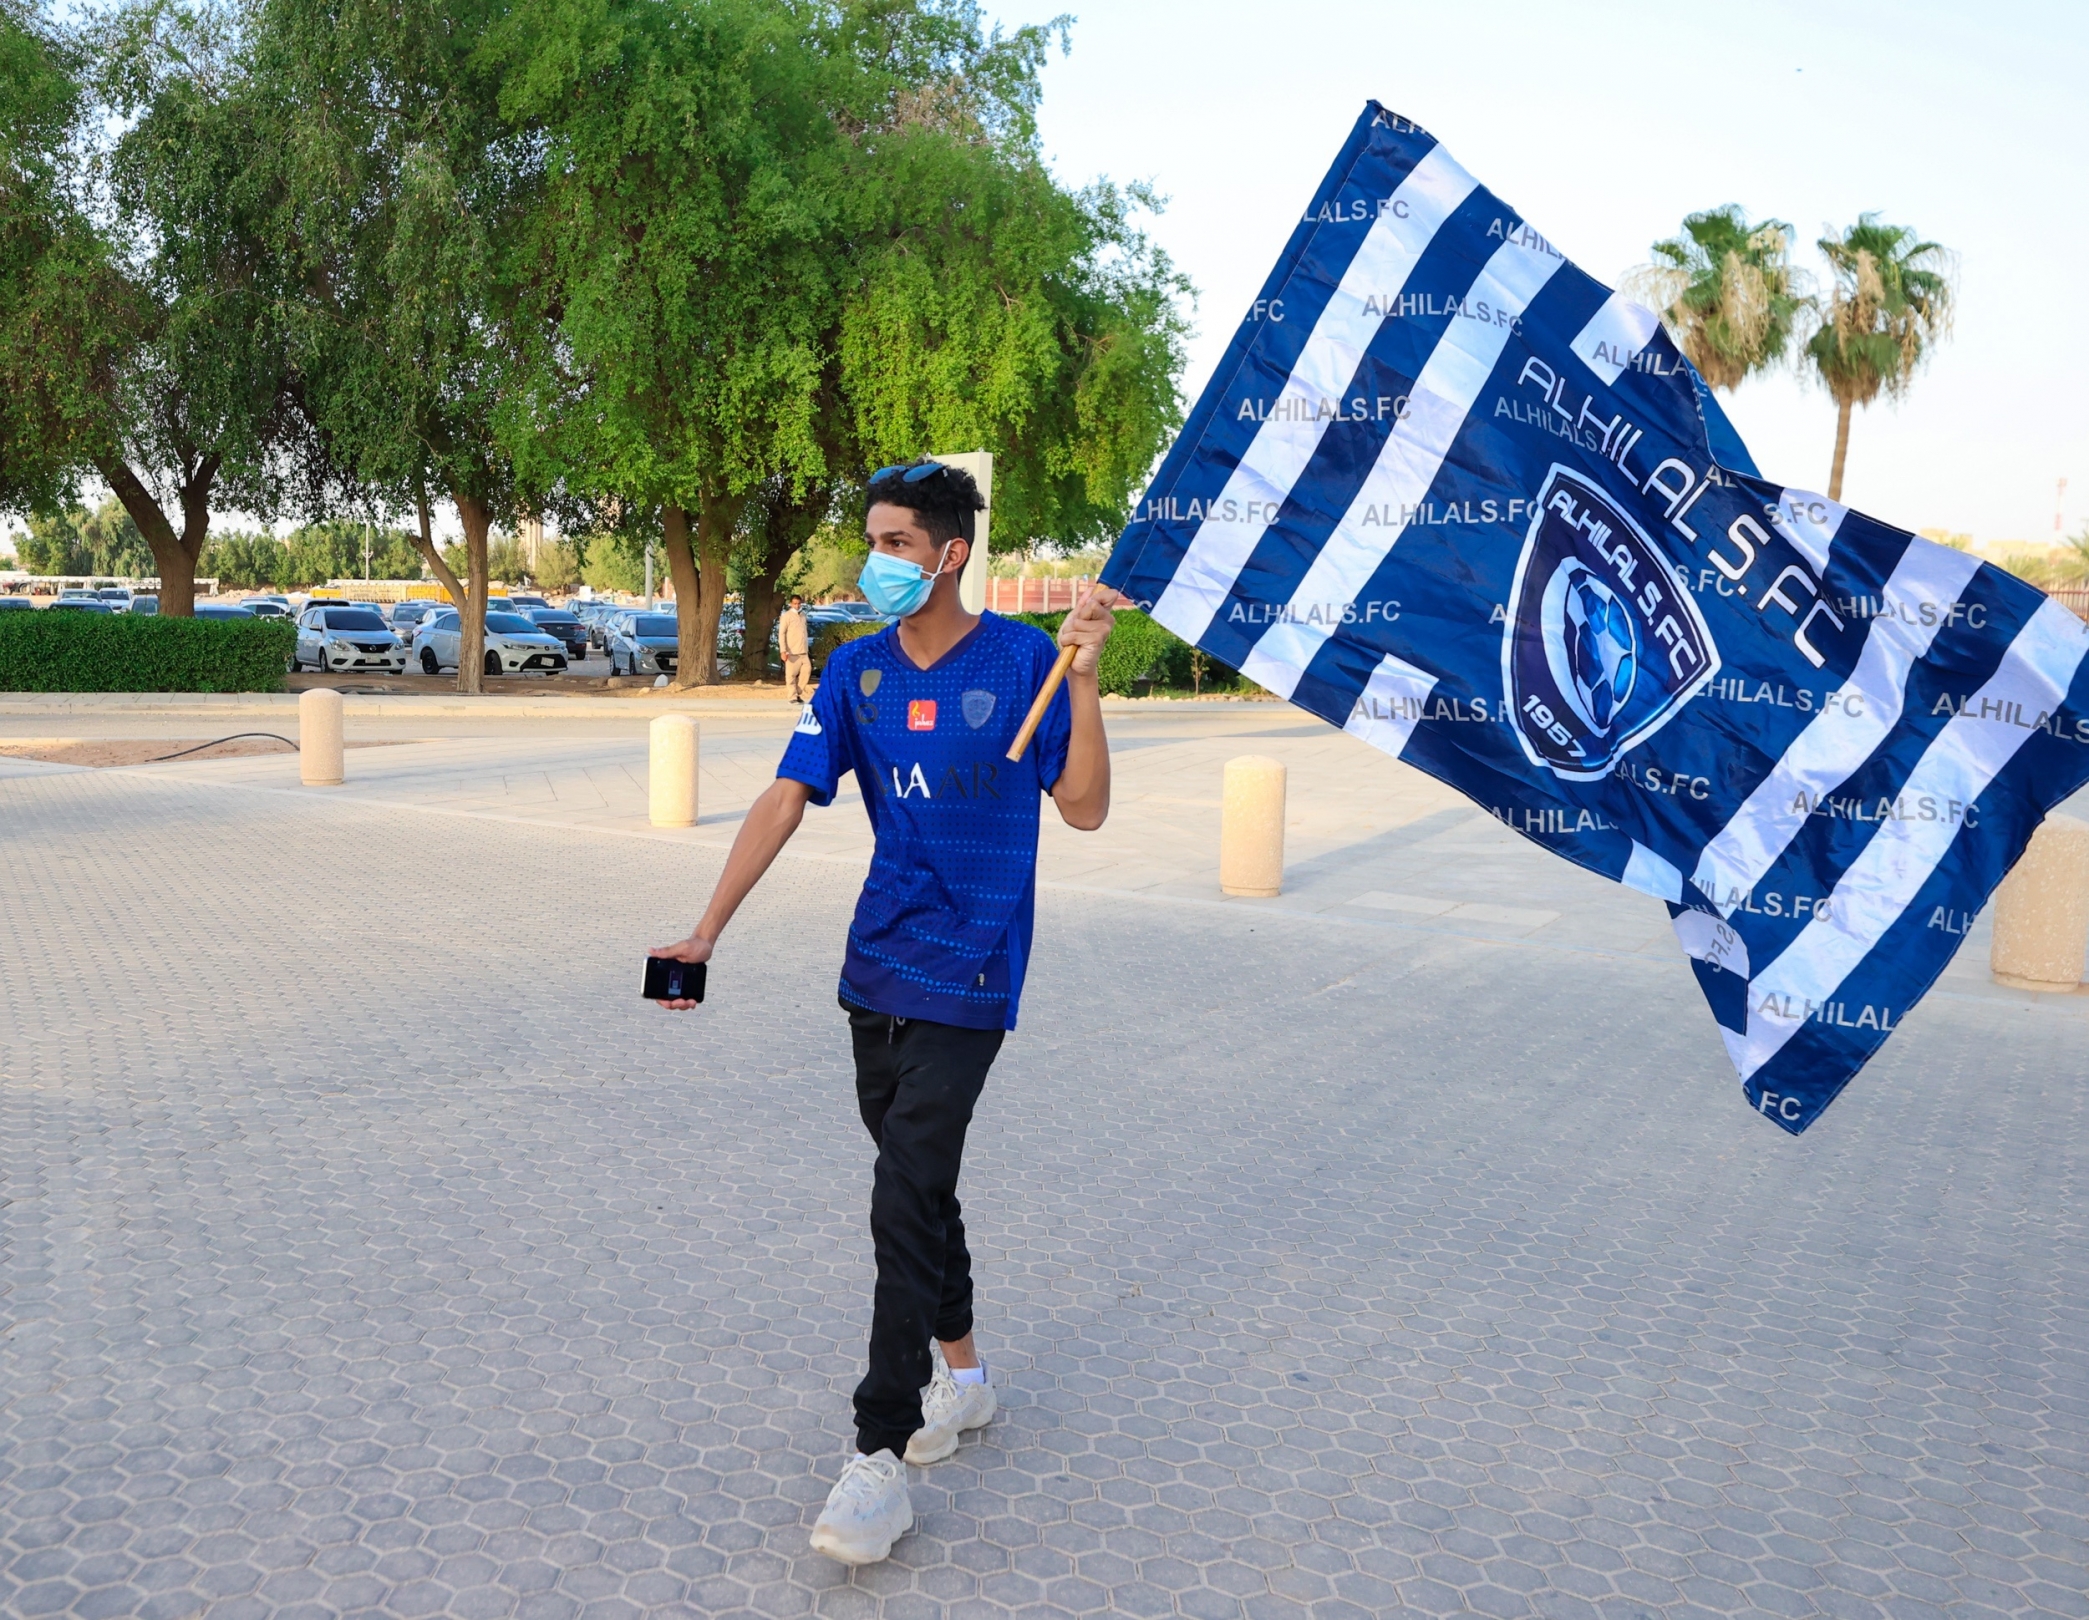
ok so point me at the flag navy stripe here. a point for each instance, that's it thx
(1284, 444)
(1876, 888)
(1414, 451)
(1866, 709)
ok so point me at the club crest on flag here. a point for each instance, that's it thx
(1600, 646)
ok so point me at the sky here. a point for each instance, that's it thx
(1604, 122)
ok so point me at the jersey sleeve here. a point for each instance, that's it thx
(1055, 732)
(818, 754)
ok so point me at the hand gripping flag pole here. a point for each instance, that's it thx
(1060, 666)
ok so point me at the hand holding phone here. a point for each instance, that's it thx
(675, 974)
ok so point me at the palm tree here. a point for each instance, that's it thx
(1889, 305)
(1726, 291)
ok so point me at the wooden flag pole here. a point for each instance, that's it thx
(1035, 717)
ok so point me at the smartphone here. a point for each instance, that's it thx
(669, 980)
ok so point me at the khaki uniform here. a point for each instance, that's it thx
(794, 641)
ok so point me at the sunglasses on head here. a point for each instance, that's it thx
(913, 473)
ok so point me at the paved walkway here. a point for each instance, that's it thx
(1401, 1244)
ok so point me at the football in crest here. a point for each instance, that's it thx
(1597, 644)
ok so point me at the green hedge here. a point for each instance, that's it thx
(1141, 650)
(826, 637)
(45, 651)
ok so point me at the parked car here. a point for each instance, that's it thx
(644, 644)
(335, 638)
(513, 644)
(523, 604)
(572, 634)
(77, 593)
(22, 602)
(224, 610)
(269, 607)
(80, 604)
(117, 596)
(145, 606)
(596, 616)
(407, 616)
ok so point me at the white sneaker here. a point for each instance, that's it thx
(948, 1409)
(866, 1512)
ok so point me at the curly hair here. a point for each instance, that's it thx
(946, 502)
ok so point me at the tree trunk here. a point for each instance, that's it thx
(786, 526)
(715, 521)
(1842, 448)
(476, 518)
(681, 568)
(177, 566)
(424, 543)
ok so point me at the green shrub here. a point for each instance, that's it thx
(1140, 650)
(48, 651)
(826, 637)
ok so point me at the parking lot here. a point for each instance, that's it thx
(1402, 1243)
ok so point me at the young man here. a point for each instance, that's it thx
(924, 713)
(794, 641)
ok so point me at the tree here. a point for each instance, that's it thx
(404, 196)
(102, 542)
(193, 398)
(989, 307)
(685, 239)
(781, 521)
(1726, 291)
(66, 316)
(1889, 305)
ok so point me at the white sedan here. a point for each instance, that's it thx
(341, 639)
(513, 644)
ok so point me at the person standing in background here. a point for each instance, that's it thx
(794, 641)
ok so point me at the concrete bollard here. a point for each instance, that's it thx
(2042, 910)
(671, 771)
(319, 738)
(1251, 828)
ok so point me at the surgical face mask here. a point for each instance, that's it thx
(893, 585)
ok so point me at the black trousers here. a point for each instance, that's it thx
(916, 1085)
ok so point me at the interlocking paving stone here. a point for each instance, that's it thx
(368, 1248)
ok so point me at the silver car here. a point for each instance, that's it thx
(513, 645)
(644, 644)
(339, 640)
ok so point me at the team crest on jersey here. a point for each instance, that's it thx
(979, 708)
(1601, 648)
(921, 714)
(867, 682)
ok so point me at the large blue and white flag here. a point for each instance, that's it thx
(1453, 495)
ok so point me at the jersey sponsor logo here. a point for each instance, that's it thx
(1600, 647)
(979, 708)
(921, 714)
(962, 779)
(808, 722)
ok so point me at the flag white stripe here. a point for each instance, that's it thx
(1391, 705)
(1614, 336)
(1859, 716)
(1284, 445)
(1810, 522)
(1974, 746)
(1442, 397)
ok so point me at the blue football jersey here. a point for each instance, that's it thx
(942, 930)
